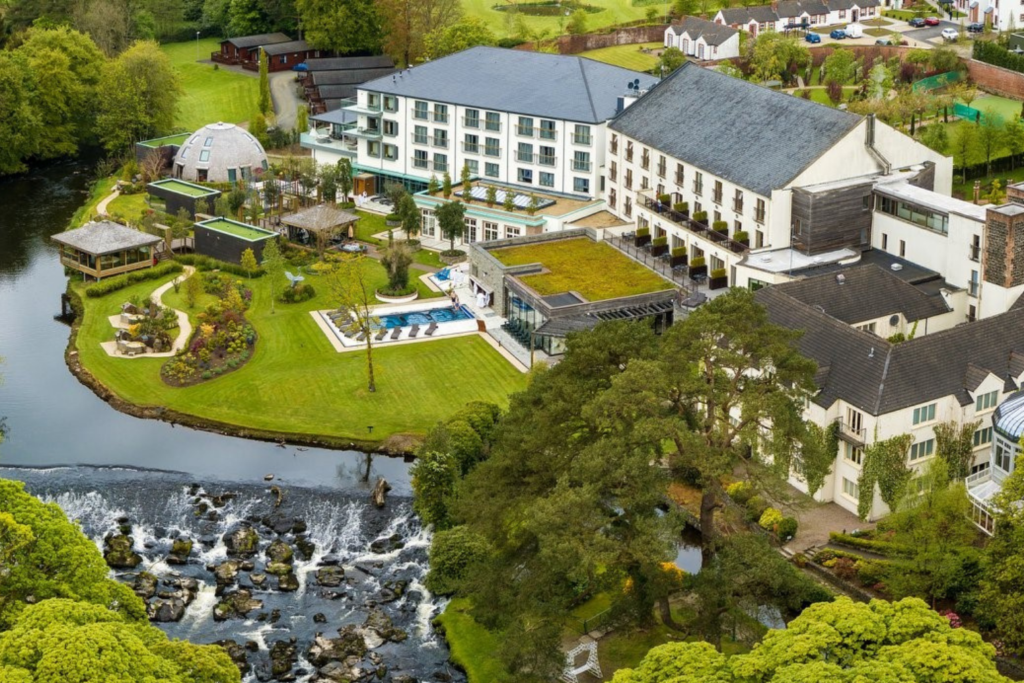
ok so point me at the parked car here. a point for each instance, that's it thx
(975, 28)
(837, 34)
(812, 38)
(890, 42)
(916, 22)
(950, 34)
(353, 248)
(932, 21)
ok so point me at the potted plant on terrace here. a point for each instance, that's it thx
(742, 237)
(678, 256)
(682, 207)
(720, 226)
(643, 237)
(659, 246)
(698, 268)
(719, 279)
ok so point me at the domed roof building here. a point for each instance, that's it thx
(218, 153)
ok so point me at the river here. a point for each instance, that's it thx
(103, 466)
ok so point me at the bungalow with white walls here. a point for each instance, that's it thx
(798, 14)
(703, 39)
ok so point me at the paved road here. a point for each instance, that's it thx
(931, 32)
(286, 102)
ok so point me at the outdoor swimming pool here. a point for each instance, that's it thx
(425, 317)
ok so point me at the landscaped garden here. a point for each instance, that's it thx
(295, 382)
(596, 270)
(209, 93)
(611, 12)
(627, 56)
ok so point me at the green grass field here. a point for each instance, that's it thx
(296, 383)
(129, 207)
(626, 56)
(181, 187)
(1003, 107)
(246, 232)
(613, 12)
(210, 95)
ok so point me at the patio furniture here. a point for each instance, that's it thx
(431, 328)
(361, 337)
(591, 666)
(414, 331)
(381, 334)
(395, 333)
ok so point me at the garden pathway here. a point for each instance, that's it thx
(101, 208)
(184, 326)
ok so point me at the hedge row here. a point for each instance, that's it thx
(879, 547)
(997, 55)
(104, 287)
(206, 263)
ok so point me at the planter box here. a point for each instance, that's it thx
(698, 271)
(452, 260)
(641, 240)
(393, 224)
(680, 260)
(718, 282)
(658, 250)
(397, 299)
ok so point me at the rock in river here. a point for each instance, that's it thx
(180, 550)
(330, 577)
(242, 542)
(119, 553)
(235, 605)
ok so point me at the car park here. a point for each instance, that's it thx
(950, 34)
(932, 21)
(812, 38)
(916, 22)
(837, 34)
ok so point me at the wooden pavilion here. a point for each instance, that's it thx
(322, 221)
(104, 248)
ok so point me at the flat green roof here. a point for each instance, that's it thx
(178, 139)
(250, 233)
(181, 187)
(576, 264)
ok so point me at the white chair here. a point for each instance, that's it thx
(591, 666)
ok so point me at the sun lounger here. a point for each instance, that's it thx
(361, 337)
(381, 334)
(431, 328)
(395, 332)
(414, 331)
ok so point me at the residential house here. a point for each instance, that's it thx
(749, 157)
(798, 14)
(285, 56)
(703, 39)
(531, 119)
(246, 49)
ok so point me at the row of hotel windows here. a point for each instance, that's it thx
(717, 193)
(475, 231)
(439, 162)
(545, 130)
(492, 148)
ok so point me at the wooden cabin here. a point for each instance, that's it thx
(104, 248)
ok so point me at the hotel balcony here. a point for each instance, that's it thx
(853, 434)
(324, 141)
(691, 226)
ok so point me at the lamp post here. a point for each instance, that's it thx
(197, 46)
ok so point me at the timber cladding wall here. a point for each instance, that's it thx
(996, 79)
(571, 45)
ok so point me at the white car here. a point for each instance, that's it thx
(950, 34)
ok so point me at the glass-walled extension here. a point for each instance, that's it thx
(919, 215)
(522, 318)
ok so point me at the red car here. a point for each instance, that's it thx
(931, 21)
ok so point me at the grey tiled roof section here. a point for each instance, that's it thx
(336, 92)
(530, 83)
(762, 14)
(866, 293)
(878, 377)
(257, 40)
(290, 46)
(105, 237)
(712, 33)
(751, 136)
(320, 217)
(346, 63)
(559, 327)
(348, 77)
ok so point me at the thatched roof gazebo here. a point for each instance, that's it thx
(319, 222)
(104, 248)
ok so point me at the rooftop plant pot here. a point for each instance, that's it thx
(680, 260)
(659, 249)
(641, 240)
(718, 282)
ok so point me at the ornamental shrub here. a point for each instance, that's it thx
(756, 506)
(786, 529)
(700, 216)
(720, 226)
(643, 232)
(770, 518)
(679, 251)
(697, 262)
(659, 241)
(741, 236)
(681, 207)
(297, 294)
(740, 491)
(718, 272)
(869, 573)
(112, 284)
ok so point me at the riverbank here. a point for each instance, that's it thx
(295, 388)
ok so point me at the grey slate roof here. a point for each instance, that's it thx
(762, 14)
(878, 377)
(257, 40)
(320, 217)
(345, 63)
(866, 293)
(713, 34)
(289, 46)
(754, 137)
(348, 77)
(105, 237)
(336, 92)
(530, 83)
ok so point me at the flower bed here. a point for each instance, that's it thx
(223, 339)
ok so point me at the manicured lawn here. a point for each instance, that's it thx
(966, 190)
(178, 139)
(187, 189)
(473, 647)
(129, 207)
(99, 190)
(210, 95)
(626, 56)
(241, 230)
(613, 12)
(595, 270)
(297, 383)
(878, 32)
(820, 95)
(877, 22)
(901, 14)
(1003, 107)
(371, 224)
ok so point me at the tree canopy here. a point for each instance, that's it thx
(840, 641)
(345, 26)
(456, 37)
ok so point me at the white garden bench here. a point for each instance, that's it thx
(591, 666)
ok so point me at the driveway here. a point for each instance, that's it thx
(286, 101)
(930, 33)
